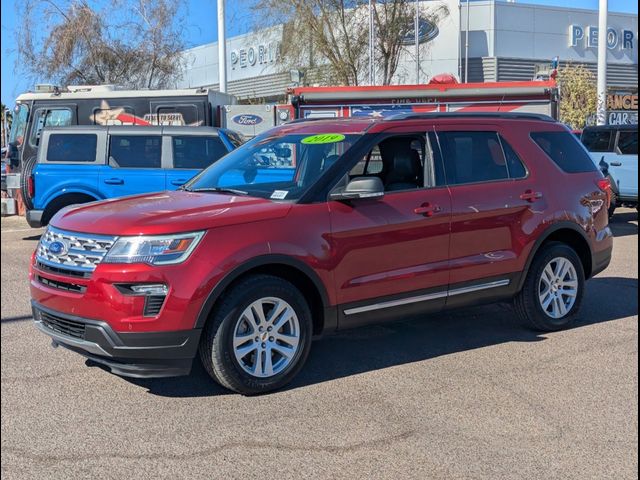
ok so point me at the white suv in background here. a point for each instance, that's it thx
(615, 149)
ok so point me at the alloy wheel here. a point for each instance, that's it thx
(266, 337)
(558, 287)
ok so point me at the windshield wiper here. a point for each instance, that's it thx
(217, 190)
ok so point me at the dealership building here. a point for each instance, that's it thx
(507, 41)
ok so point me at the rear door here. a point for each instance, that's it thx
(492, 197)
(134, 165)
(189, 155)
(624, 165)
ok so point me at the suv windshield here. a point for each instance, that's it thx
(279, 167)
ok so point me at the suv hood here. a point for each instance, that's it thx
(166, 212)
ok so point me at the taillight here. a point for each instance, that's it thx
(31, 187)
(604, 184)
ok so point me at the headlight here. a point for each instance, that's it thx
(155, 250)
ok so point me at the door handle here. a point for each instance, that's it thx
(114, 181)
(427, 210)
(616, 164)
(179, 181)
(531, 196)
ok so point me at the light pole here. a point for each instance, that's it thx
(416, 26)
(372, 75)
(602, 63)
(466, 49)
(222, 49)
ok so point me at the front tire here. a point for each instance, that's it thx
(612, 205)
(258, 337)
(553, 290)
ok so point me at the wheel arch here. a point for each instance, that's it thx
(58, 202)
(291, 269)
(568, 233)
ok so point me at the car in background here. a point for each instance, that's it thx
(83, 164)
(614, 148)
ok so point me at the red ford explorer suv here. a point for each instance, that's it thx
(317, 226)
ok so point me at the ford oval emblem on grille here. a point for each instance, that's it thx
(247, 119)
(57, 248)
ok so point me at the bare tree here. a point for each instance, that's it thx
(331, 36)
(135, 44)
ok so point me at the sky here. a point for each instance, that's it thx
(202, 28)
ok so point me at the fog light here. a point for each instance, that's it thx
(149, 289)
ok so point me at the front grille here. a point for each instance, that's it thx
(65, 326)
(69, 287)
(62, 271)
(152, 305)
(79, 252)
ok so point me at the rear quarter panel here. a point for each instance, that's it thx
(52, 181)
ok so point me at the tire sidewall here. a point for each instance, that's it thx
(26, 172)
(554, 251)
(227, 318)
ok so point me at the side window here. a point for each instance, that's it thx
(72, 148)
(398, 161)
(135, 151)
(174, 115)
(370, 164)
(565, 151)
(628, 142)
(197, 151)
(471, 157)
(514, 164)
(596, 140)
(61, 117)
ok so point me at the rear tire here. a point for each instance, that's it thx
(258, 337)
(552, 293)
(27, 170)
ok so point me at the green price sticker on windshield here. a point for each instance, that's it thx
(323, 138)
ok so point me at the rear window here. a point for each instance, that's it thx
(135, 151)
(597, 140)
(197, 152)
(565, 151)
(64, 147)
(628, 142)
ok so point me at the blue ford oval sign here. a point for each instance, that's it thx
(57, 248)
(247, 119)
(427, 30)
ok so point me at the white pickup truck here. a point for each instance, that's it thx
(614, 148)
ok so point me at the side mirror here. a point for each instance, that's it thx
(359, 188)
(604, 166)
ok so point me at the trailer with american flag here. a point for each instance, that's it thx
(436, 96)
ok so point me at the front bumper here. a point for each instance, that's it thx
(139, 354)
(34, 218)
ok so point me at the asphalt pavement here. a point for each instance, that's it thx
(462, 395)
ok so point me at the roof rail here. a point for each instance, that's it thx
(509, 115)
